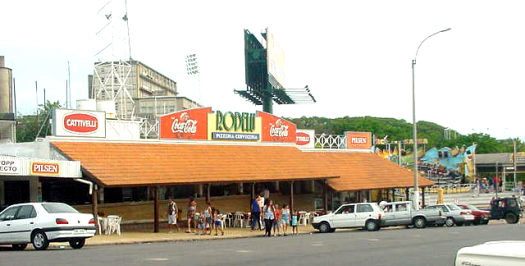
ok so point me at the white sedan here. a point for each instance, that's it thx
(41, 223)
(497, 253)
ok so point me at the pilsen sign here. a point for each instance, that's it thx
(203, 124)
(358, 140)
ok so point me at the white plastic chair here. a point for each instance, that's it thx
(239, 219)
(102, 225)
(113, 224)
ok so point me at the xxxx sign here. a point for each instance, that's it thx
(187, 124)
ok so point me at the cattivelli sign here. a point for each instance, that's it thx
(75, 123)
(203, 124)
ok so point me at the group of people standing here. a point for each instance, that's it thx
(202, 223)
(274, 217)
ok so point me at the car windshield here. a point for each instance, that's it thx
(58, 208)
(453, 207)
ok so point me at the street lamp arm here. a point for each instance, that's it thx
(435, 33)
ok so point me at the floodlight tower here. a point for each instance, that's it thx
(264, 73)
(113, 67)
(192, 70)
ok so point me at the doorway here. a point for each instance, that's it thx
(16, 192)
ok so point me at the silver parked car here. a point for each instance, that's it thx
(455, 215)
(402, 213)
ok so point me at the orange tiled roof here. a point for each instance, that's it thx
(359, 171)
(140, 164)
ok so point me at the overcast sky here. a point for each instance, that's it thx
(354, 55)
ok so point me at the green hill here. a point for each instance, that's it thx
(398, 129)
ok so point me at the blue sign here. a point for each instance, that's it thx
(234, 136)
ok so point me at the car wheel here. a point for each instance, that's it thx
(420, 222)
(324, 227)
(19, 246)
(77, 243)
(39, 240)
(371, 225)
(449, 222)
(485, 222)
(511, 218)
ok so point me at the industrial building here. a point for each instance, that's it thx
(138, 90)
(7, 104)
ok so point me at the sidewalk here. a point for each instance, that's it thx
(146, 236)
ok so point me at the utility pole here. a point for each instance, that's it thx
(399, 152)
(515, 164)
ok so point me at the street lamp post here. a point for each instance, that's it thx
(416, 185)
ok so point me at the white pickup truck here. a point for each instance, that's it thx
(366, 215)
(402, 213)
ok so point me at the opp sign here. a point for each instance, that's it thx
(42, 168)
(9, 167)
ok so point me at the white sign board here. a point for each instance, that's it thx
(76, 123)
(305, 138)
(9, 166)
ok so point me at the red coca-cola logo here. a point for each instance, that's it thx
(80, 123)
(302, 138)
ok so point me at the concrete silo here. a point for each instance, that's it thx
(7, 106)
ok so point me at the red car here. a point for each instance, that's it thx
(480, 216)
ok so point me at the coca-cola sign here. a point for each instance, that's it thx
(80, 123)
(76, 123)
(279, 129)
(187, 124)
(276, 129)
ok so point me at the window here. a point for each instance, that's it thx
(401, 207)
(454, 207)
(444, 208)
(346, 209)
(26, 212)
(58, 208)
(9, 214)
(364, 208)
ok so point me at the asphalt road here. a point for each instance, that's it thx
(430, 246)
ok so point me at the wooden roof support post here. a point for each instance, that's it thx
(423, 197)
(325, 196)
(208, 192)
(291, 197)
(155, 209)
(407, 193)
(252, 198)
(94, 204)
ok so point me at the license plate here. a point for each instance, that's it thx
(80, 231)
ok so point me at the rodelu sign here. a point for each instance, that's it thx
(80, 123)
(45, 168)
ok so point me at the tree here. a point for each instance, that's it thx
(29, 127)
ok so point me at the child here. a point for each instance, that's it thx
(285, 220)
(295, 230)
(201, 229)
(207, 218)
(218, 222)
(277, 222)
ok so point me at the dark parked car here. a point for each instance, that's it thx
(508, 208)
(480, 216)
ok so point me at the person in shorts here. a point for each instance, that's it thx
(192, 208)
(217, 221)
(285, 218)
(172, 215)
(207, 212)
(295, 230)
